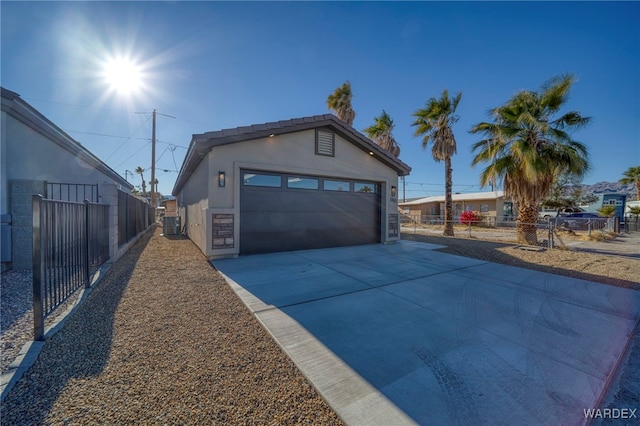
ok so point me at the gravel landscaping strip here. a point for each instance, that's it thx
(16, 314)
(163, 340)
(620, 271)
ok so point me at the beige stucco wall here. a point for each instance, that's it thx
(193, 204)
(423, 211)
(27, 154)
(291, 153)
(28, 160)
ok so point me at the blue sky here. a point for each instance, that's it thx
(214, 65)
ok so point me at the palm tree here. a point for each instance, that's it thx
(632, 176)
(380, 133)
(434, 123)
(340, 102)
(607, 210)
(140, 171)
(528, 145)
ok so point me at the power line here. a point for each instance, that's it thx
(76, 105)
(440, 184)
(125, 141)
(101, 134)
(173, 156)
(145, 145)
(123, 137)
(113, 110)
(171, 143)
(161, 154)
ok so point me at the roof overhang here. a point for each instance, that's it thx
(202, 144)
(16, 107)
(471, 196)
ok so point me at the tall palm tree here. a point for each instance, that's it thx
(528, 144)
(380, 133)
(140, 171)
(433, 123)
(632, 176)
(340, 102)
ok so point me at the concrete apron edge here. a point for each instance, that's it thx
(31, 350)
(352, 398)
(616, 371)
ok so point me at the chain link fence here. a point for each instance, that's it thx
(631, 224)
(550, 233)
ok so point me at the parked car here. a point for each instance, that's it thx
(582, 214)
(581, 220)
(546, 213)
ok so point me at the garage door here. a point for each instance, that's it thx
(282, 212)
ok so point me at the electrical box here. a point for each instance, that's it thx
(171, 225)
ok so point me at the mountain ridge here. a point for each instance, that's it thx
(606, 187)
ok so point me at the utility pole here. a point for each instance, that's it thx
(154, 186)
(153, 161)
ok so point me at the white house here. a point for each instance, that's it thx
(493, 204)
(295, 184)
(37, 157)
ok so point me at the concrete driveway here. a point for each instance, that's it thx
(401, 334)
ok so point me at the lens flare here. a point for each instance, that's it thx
(123, 76)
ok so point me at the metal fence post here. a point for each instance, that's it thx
(85, 246)
(37, 266)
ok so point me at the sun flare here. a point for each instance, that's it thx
(123, 75)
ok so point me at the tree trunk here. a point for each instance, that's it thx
(527, 224)
(448, 210)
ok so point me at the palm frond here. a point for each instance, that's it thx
(527, 146)
(340, 102)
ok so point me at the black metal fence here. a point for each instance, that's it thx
(70, 243)
(77, 192)
(134, 216)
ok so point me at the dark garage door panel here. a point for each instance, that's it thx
(268, 242)
(280, 219)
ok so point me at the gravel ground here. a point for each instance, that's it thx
(16, 314)
(621, 271)
(162, 339)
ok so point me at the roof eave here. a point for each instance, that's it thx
(22, 111)
(202, 144)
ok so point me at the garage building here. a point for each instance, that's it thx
(310, 182)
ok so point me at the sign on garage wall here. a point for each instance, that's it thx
(222, 231)
(393, 225)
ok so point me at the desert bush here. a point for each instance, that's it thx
(470, 218)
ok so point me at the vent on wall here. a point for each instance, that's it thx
(325, 143)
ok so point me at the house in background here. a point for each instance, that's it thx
(171, 207)
(37, 157)
(618, 200)
(489, 204)
(303, 183)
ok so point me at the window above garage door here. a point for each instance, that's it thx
(261, 179)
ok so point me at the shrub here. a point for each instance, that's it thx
(607, 210)
(470, 218)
